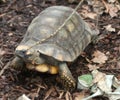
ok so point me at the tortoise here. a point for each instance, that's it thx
(46, 50)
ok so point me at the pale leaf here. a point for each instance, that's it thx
(104, 82)
(10, 34)
(97, 93)
(23, 97)
(80, 96)
(112, 1)
(91, 15)
(97, 76)
(109, 28)
(92, 67)
(2, 52)
(118, 33)
(68, 96)
(99, 57)
(49, 92)
(112, 10)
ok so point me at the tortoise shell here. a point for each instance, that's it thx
(64, 45)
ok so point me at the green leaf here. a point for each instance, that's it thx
(85, 80)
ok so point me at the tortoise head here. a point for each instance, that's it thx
(29, 55)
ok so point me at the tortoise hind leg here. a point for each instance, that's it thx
(66, 77)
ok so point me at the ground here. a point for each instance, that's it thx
(15, 17)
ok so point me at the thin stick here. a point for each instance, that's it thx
(69, 17)
(107, 9)
(12, 2)
(97, 23)
(5, 67)
(1, 63)
(60, 26)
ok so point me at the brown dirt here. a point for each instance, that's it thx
(15, 16)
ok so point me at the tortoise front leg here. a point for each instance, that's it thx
(17, 63)
(66, 77)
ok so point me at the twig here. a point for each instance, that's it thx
(1, 63)
(48, 93)
(5, 67)
(60, 95)
(116, 69)
(20, 89)
(97, 24)
(1, 15)
(106, 6)
(12, 2)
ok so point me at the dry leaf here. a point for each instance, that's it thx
(109, 28)
(48, 93)
(114, 97)
(100, 78)
(104, 82)
(10, 34)
(103, 86)
(68, 96)
(99, 57)
(80, 96)
(60, 94)
(92, 67)
(118, 6)
(91, 15)
(98, 6)
(87, 14)
(118, 64)
(112, 10)
(111, 1)
(23, 97)
(118, 33)
(97, 76)
(2, 52)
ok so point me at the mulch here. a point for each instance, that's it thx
(15, 17)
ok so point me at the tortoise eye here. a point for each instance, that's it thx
(20, 53)
(23, 51)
